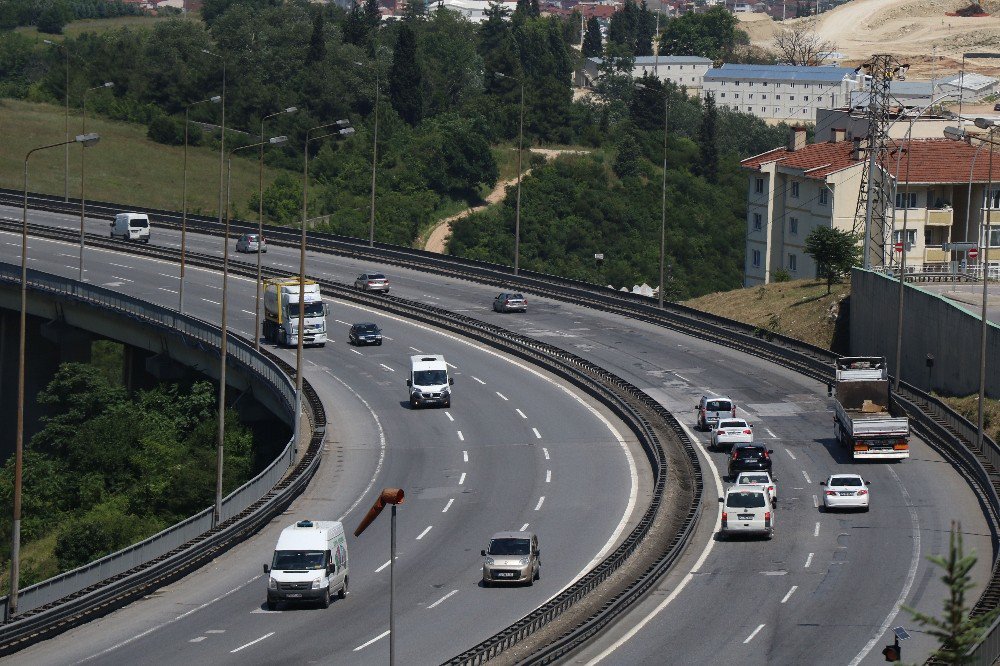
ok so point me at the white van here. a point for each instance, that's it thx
(131, 226)
(429, 382)
(747, 510)
(309, 564)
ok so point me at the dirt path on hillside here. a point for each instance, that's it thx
(437, 240)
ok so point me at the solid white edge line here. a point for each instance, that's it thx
(690, 575)
(753, 633)
(447, 596)
(911, 575)
(789, 594)
(424, 533)
(448, 505)
(377, 638)
(252, 642)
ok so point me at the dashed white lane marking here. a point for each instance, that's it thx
(815, 502)
(450, 417)
(109, 263)
(465, 456)
(249, 312)
(809, 560)
(461, 437)
(790, 454)
(520, 413)
(208, 300)
(524, 527)
(169, 291)
(448, 505)
(341, 322)
(424, 533)
(753, 633)
(548, 476)
(383, 566)
(199, 639)
(806, 476)
(387, 367)
(682, 378)
(215, 631)
(254, 642)
(546, 452)
(479, 380)
(789, 594)
(166, 275)
(816, 530)
(357, 352)
(910, 575)
(450, 594)
(461, 479)
(540, 501)
(538, 435)
(450, 365)
(416, 350)
(121, 278)
(502, 396)
(771, 433)
(377, 638)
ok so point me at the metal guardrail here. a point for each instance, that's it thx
(801, 357)
(39, 604)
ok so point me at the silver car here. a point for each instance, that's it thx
(251, 243)
(372, 282)
(508, 302)
(512, 557)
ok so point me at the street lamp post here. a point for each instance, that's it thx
(520, 148)
(992, 126)
(68, 141)
(222, 146)
(663, 202)
(85, 140)
(187, 112)
(260, 223)
(220, 447)
(344, 130)
(83, 161)
(371, 220)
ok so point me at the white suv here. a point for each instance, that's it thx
(747, 510)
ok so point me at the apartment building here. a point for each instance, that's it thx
(687, 71)
(786, 93)
(798, 187)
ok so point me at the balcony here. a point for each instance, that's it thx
(935, 255)
(939, 217)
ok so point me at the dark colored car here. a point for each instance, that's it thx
(996, 107)
(510, 303)
(365, 334)
(749, 458)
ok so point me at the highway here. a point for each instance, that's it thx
(825, 590)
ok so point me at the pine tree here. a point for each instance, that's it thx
(536, 10)
(354, 28)
(405, 78)
(372, 17)
(646, 26)
(317, 43)
(623, 26)
(592, 47)
(707, 141)
(956, 630)
(416, 10)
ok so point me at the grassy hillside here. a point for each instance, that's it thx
(124, 167)
(77, 28)
(802, 309)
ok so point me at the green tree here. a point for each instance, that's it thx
(406, 78)
(712, 34)
(645, 29)
(355, 30)
(415, 11)
(592, 47)
(627, 157)
(53, 16)
(623, 29)
(834, 252)
(372, 17)
(708, 141)
(956, 630)
(317, 41)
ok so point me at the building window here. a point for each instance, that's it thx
(777, 97)
(911, 237)
(824, 196)
(906, 199)
(763, 96)
(758, 186)
(994, 237)
(806, 98)
(793, 226)
(763, 109)
(994, 200)
(791, 85)
(736, 95)
(723, 95)
(795, 189)
(793, 263)
(791, 97)
(757, 222)
(736, 83)
(755, 258)
(750, 96)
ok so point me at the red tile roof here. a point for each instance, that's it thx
(931, 160)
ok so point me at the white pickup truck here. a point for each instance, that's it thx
(863, 420)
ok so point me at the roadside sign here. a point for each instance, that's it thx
(899, 246)
(973, 252)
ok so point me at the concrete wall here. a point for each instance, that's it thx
(931, 325)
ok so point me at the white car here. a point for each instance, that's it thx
(251, 243)
(845, 491)
(729, 432)
(762, 480)
(746, 510)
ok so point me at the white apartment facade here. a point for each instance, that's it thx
(687, 71)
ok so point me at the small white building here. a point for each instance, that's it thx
(788, 93)
(687, 71)
(473, 10)
(970, 87)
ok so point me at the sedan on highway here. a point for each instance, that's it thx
(845, 491)
(372, 282)
(251, 243)
(749, 458)
(729, 432)
(365, 333)
(762, 480)
(506, 302)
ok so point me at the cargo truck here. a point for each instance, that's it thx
(281, 312)
(863, 418)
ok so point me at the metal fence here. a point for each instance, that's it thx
(194, 332)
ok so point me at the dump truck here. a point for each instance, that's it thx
(281, 312)
(863, 418)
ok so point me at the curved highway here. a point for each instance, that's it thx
(825, 590)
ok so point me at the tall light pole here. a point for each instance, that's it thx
(187, 112)
(260, 223)
(220, 446)
(520, 145)
(663, 202)
(83, 161)
(15, 551)
(68, 141)
(344, 130)
(371, 220)
(992, 126)
(222, 144)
